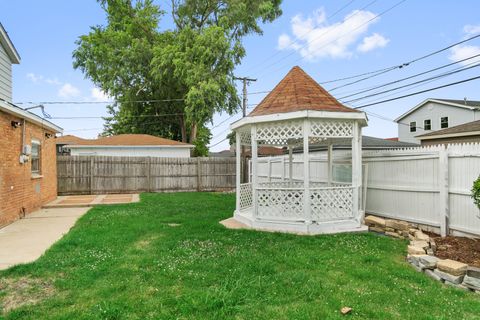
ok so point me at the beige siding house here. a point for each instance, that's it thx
(8, 56)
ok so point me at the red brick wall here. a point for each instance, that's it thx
(18, 189)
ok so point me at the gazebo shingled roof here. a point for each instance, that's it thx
(297, 91)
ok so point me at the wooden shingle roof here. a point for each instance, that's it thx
(297, 91)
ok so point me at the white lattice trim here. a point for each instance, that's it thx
(324, 128)
(245, 195)
(280, 204)
(334, 203)
(245, 137)
(279, 133)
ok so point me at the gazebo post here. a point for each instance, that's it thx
(330, 163)
(306, 172)
(238, 157)
(254, 171)
(356, 169)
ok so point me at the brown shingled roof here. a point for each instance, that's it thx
(130, 140)
(68, 139)
(297, 92)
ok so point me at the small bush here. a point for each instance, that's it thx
(476, 193)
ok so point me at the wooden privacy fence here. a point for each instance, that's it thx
(102, 174)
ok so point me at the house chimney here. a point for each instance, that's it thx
(465, 100)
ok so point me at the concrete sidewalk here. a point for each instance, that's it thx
(27, 239)
(91, 200)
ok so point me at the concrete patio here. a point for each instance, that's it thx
(91, 200)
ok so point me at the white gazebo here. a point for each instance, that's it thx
(299, 112)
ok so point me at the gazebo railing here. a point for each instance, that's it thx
(246, 197)
(332, 203)
(281, 203)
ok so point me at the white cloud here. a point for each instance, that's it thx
(471, 29)
(34, 78)
(68, 91)
(462, 52)
(315, 38)
(99, 95)
(372, 42)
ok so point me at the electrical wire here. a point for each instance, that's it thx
(418, 92)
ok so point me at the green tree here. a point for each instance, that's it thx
(186, 73)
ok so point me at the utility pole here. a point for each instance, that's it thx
(246, 81)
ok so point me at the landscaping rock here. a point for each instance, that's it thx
(452, 267)
(410, 237)
(397, 224)
(392, 234)
(376, 229)
(448, 277)
(415, 250)
(388, 229)
(413, 259)
(346, 310)
(374, 221)
(473, 272)
(472, 283)
(430, 252)
(419, 243)
(433, 245)
(429, 262)
(412, 231)
(433, 275)
(419, 235)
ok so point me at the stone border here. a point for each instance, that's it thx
(421, 254)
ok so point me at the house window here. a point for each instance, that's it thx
(444, 122)
(427, 124)
(35, 157)
(413, 126)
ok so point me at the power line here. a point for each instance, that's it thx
(216, 144)
(98, 102)
(403, 79)
(446, 74)
(419, 92)
(406, 64)
(138, 116)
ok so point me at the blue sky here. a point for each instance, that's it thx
(325, 46)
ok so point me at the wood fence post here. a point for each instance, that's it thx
(444, 213)
(199, 175)
(149, 174)
(92, 168)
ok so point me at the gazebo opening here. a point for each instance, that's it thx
(297, 113)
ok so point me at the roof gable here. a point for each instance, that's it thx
(447, 102)
(7, 44)
(297, 91)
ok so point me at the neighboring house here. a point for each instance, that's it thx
(368, 144)
(130, 145)
(63, 141)
(28, 172)
(263, 151)
(467, 132)
(8, 56)
(435, 114)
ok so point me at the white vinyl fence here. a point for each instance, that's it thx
(427, 185)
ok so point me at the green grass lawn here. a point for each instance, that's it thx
(134, 262)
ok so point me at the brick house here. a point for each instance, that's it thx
(28, 174)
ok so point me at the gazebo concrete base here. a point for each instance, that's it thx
(341, 226)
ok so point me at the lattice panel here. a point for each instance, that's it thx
(331, 128)
(279, 133)
(245, 137)
(245, 195)
(332, 204)
(281, 184)
(280, 204)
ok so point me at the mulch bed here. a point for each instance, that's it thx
(461, 249)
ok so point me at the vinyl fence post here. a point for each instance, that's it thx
(444, 213)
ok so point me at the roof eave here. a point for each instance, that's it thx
(448, 135)
(128, 146)
(14, 110)
(9, 47)
(360, 116)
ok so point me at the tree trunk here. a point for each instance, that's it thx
(183, 129)
(193, 132)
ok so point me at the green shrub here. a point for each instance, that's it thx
(476, 192)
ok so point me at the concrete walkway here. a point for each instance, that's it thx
(27, 239)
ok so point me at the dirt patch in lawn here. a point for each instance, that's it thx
(23, 291)
(461, 249)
